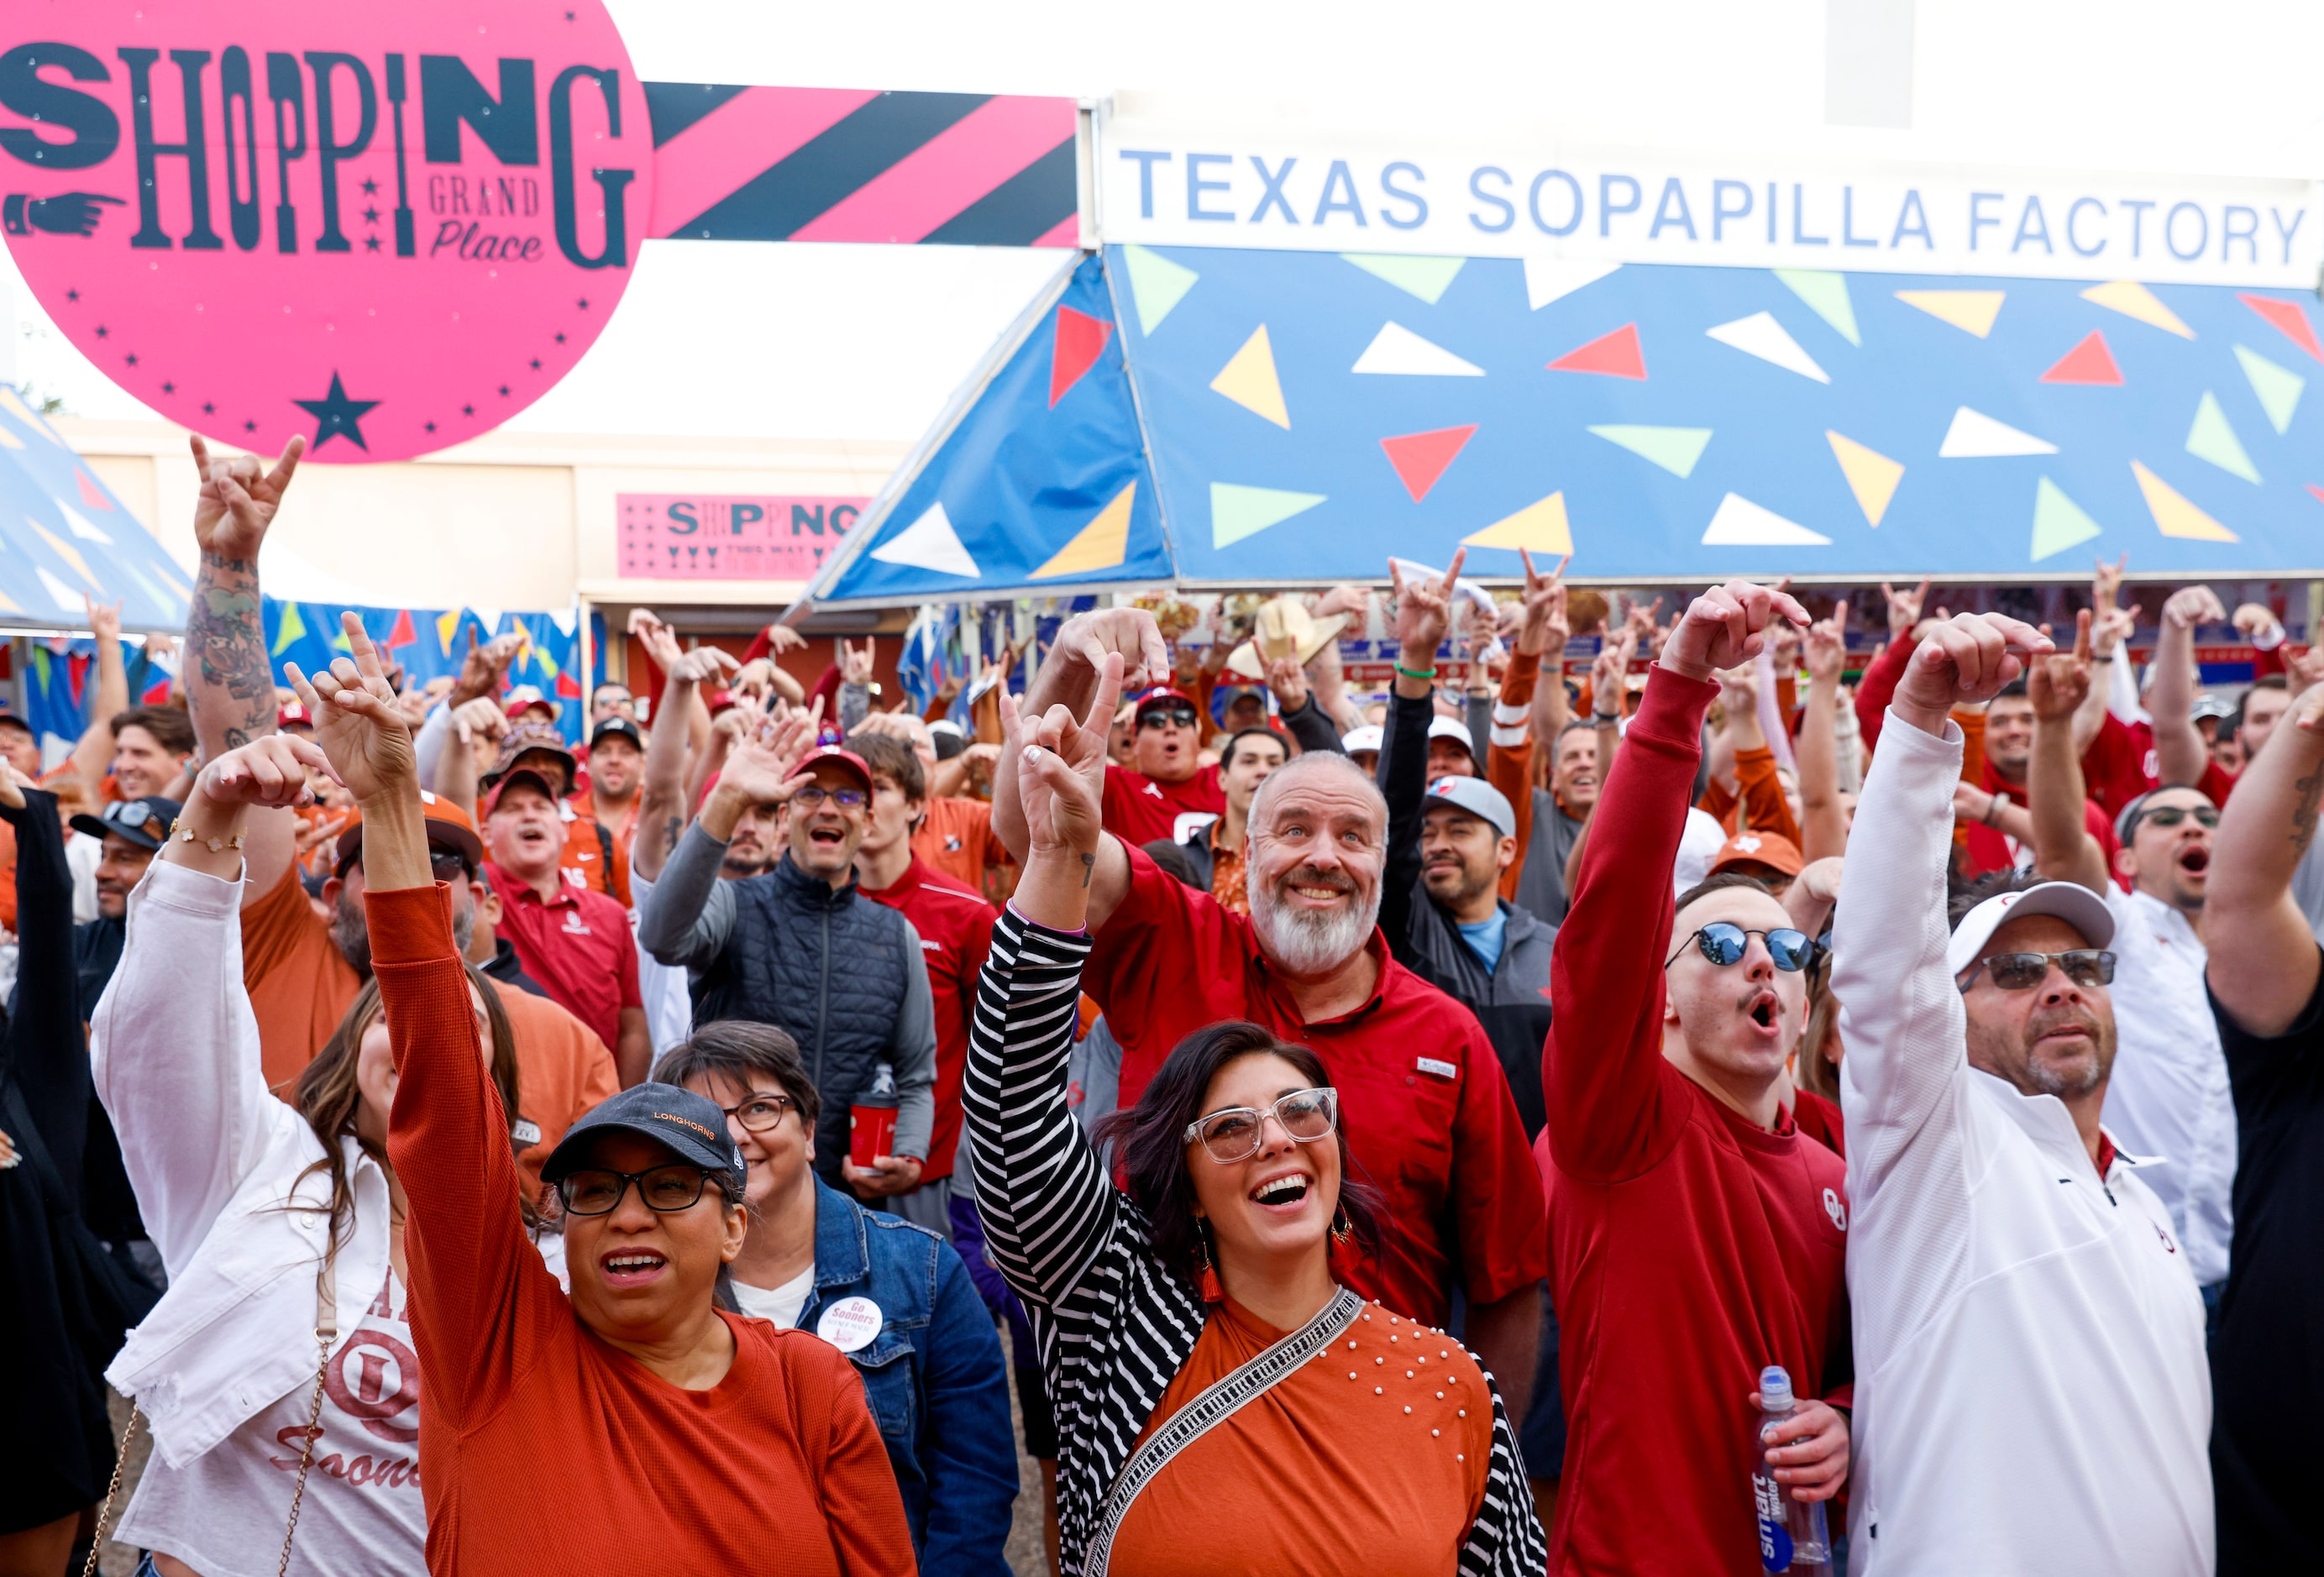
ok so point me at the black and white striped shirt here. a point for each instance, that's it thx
(1114, 1324)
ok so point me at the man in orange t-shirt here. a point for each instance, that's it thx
(956, 836)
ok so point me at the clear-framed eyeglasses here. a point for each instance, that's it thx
(1235, 1133)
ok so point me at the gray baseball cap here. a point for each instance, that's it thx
(1478, 799)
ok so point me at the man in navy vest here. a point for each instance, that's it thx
(800, 947)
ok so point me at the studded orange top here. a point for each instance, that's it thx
(1371, 1458)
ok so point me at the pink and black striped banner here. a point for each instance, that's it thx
(842, 164)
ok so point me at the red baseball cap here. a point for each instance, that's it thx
(718, 701)
(1161, 693)
(525, 696)
(519, 775)
(292, 712)
(839, 757)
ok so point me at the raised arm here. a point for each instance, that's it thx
(1303, 716)
(92, 756)
(474, 1273)
(2264, 960)
(229, 678)
(2060, 687)
(1824, 823)
(42, 1052)
(686, 920)
(662, 794)
(1420, 617)
(174, 1041)
(2180, 757)
(1069, 677)
(1049, 1209)
(1765, 809)
(1602, 1069)
(1906, 1071)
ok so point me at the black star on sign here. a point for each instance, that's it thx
(370, 216)
(102, 331)
(370, 243)
(467, 410)
(208, 409)
(336, 416)
(370, 189)
(503, 391)
(560, 340)
(72, 295)
(584, 303)
(250, 426)
(429, 426)
(130, 359)
(168, 388)
(536, 363)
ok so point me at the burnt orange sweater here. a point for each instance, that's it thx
(541, 1448)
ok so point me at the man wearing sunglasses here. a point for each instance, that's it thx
(2168, 1095)
(1171, 791)
(1696, 1235)
(2032, 1387)
(802, 947)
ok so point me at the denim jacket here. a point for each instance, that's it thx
(938, 1389)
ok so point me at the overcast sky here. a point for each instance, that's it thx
(808, 341)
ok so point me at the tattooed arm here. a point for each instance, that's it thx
(2264, 960)
(229, 677)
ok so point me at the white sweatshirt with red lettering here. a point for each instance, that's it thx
(2032, 1395)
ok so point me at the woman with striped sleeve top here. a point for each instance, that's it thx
(1211, 1376)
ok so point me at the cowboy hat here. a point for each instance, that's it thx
(1285, 629)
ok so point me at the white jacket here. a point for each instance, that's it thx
(2032, 1395)
(213, 1158)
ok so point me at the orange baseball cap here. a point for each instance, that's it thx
(448, 825)
(1773, 850)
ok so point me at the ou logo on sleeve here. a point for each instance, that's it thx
(1834, 1208)
(388, 228)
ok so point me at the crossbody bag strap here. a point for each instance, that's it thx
(1213, 1407)
(327, 1332)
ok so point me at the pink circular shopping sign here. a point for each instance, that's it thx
(388, 227)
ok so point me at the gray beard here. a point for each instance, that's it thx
(1305, 943)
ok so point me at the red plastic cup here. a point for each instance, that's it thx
(871, 1132)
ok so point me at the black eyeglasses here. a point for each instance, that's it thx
(1235, 1133)
(1725, 943)
(596, 1191)
(2173, 815)
(815, 794)
(760, 1112)
(2021, 972)
(447, 864)
(1176, 716)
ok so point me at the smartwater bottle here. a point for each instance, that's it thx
(1792, 1536)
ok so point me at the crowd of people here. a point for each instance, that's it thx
(1734, 1103)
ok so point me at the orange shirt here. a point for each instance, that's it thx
(956, 837)
(542, 1443)
(1382, 1473)
(301, 984)
(585, 859)
(562, 1070)
(1227, 883)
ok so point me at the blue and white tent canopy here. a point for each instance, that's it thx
(63, 535)
(1224, 418)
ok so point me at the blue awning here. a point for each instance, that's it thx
(63, 535)
(1279, 418)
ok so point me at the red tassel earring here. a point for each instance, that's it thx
(1207, 1282)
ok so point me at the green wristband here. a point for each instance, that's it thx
(1411, 674)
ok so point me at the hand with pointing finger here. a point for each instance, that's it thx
(2060, 683)
(356, 723)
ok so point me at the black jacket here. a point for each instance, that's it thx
(1511, 999)
(66, 1302)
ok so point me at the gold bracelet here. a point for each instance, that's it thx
(214, 845)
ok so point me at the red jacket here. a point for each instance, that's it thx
(1688, 1248)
